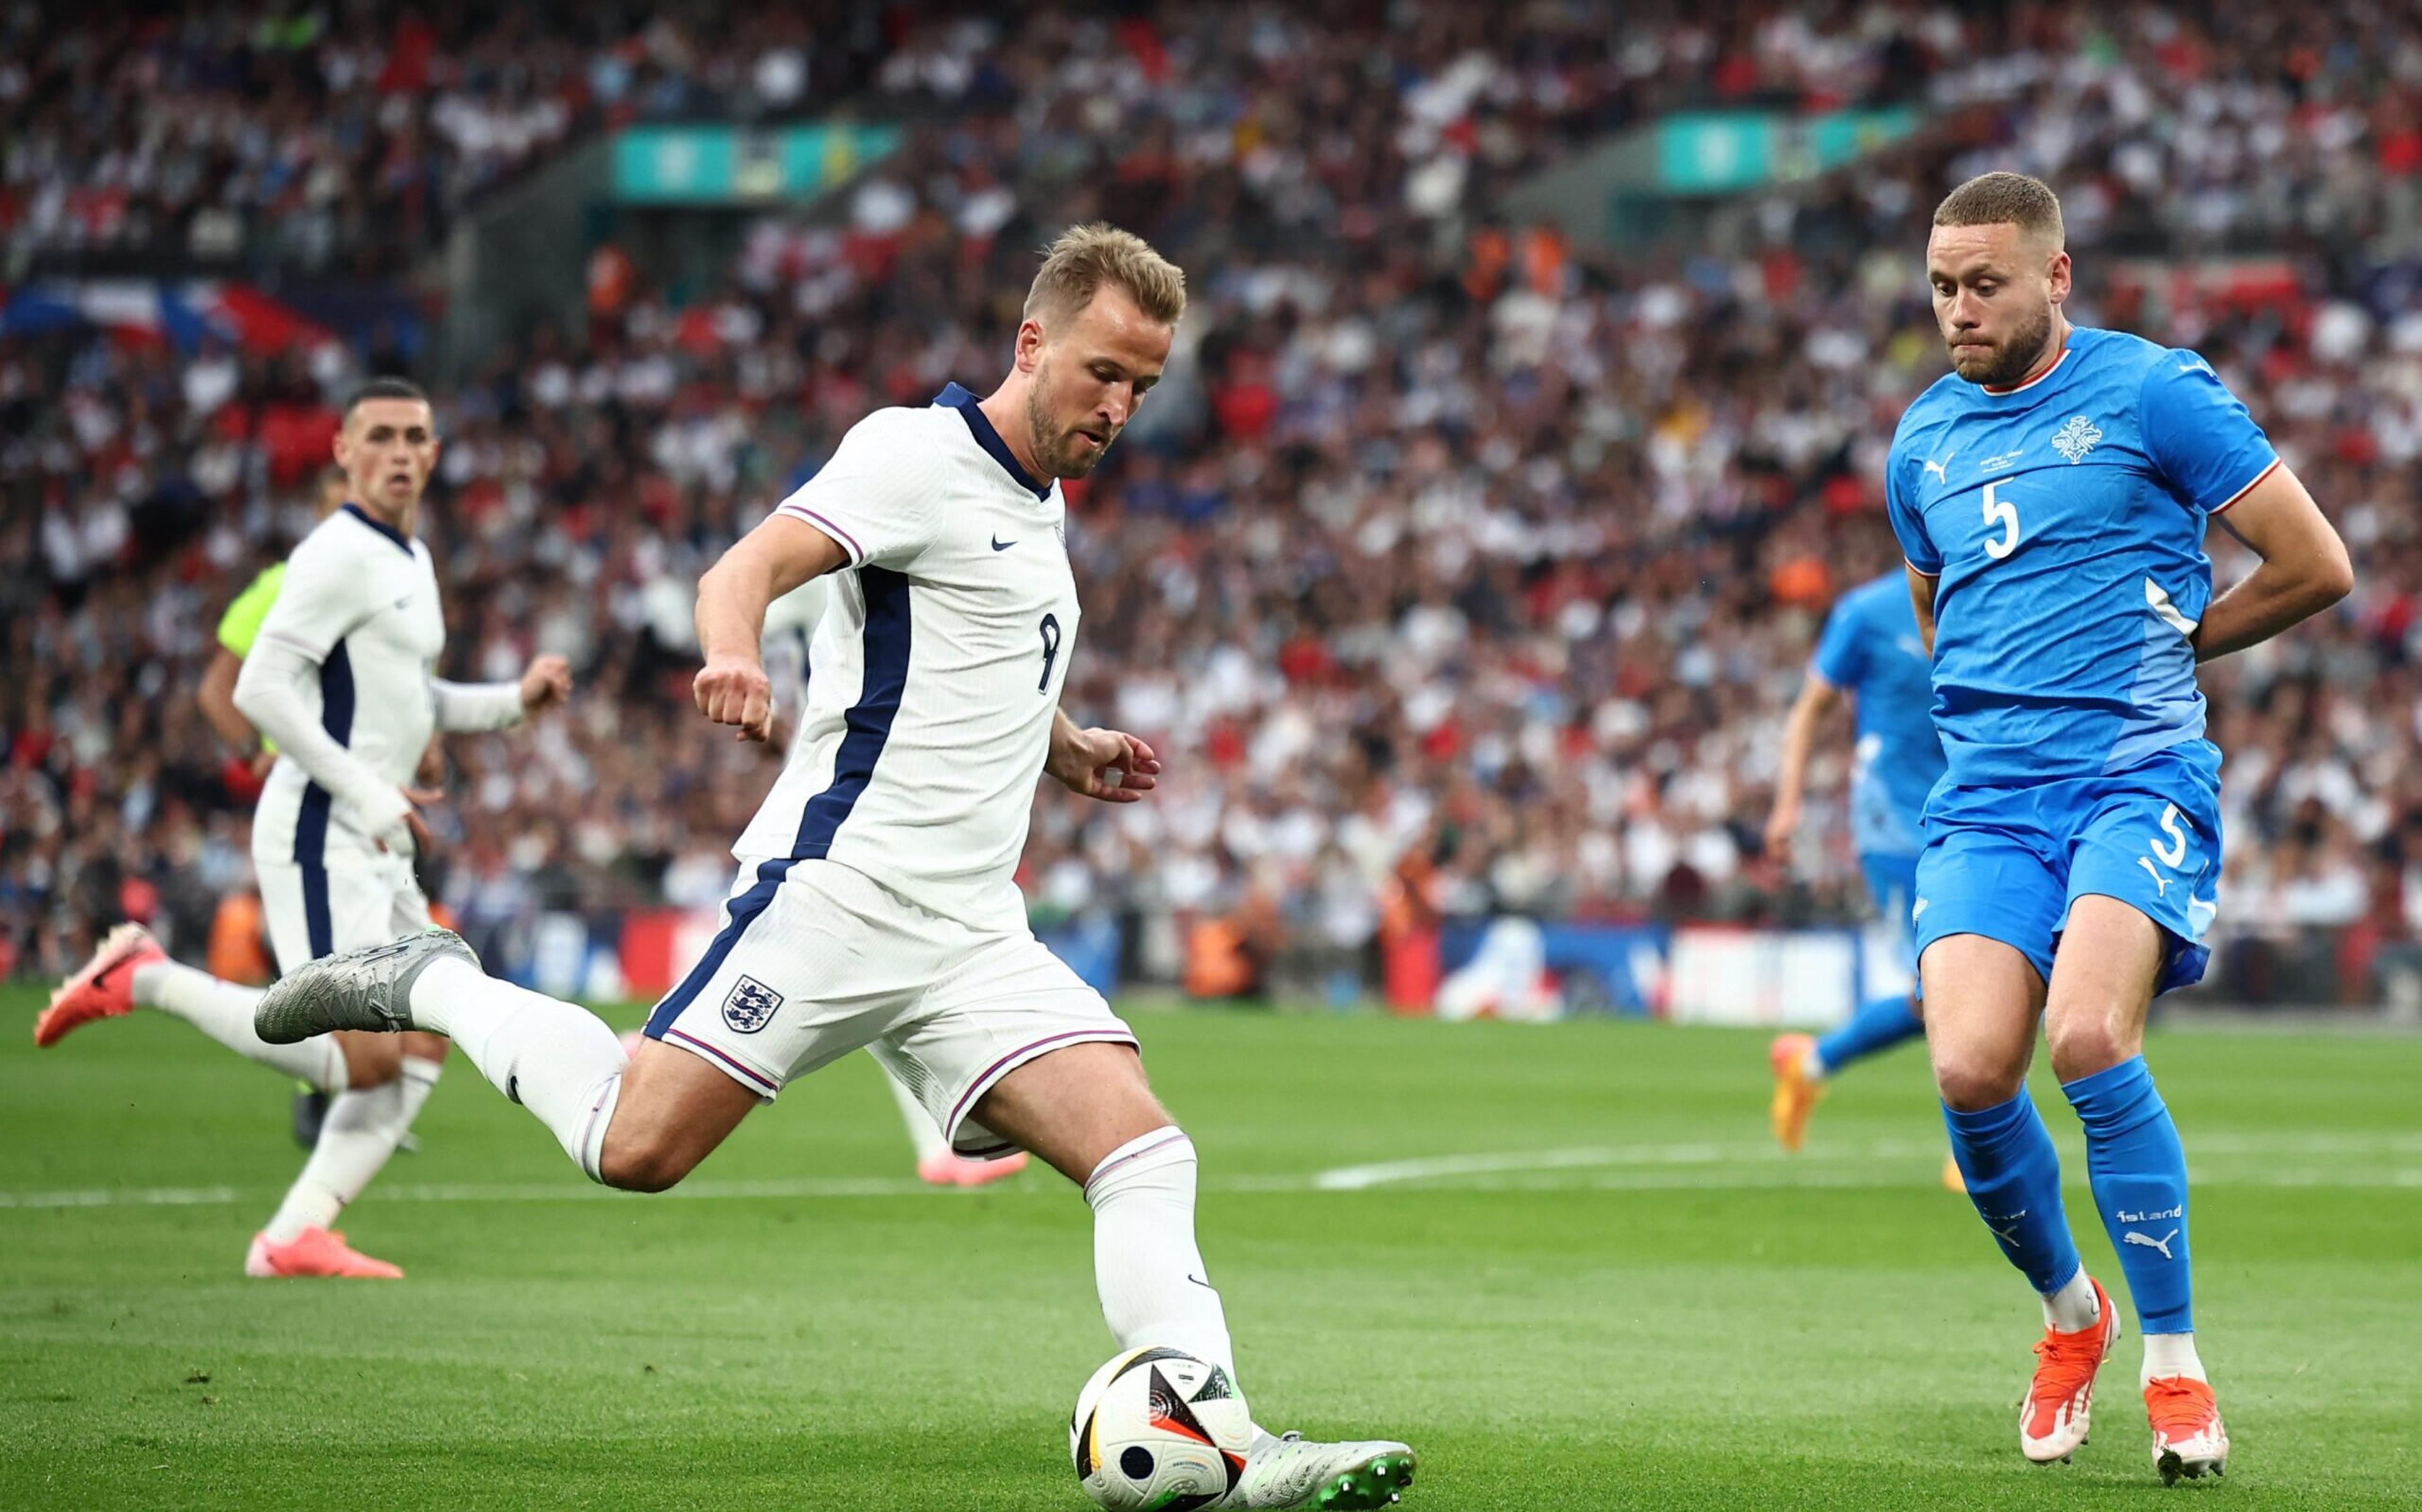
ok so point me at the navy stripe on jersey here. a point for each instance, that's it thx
(989, 439)
(868, 721)
(742, 910)
(311, 820)
(401, 543)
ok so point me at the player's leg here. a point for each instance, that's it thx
(1801, 1063)
(2132, 933)
(1012, 1049)
(353, 902)
(1087, 1111)
(131, 971)
(1991, 907)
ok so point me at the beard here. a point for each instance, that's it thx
(2008, 362)
(1055, 450)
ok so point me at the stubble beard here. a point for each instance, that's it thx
(2012, 359)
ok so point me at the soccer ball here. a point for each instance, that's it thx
(1157, 1431)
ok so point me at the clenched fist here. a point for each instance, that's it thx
(734, 690)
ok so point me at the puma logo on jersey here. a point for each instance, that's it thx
(2161, 883)
(1917, 912)
(2150, 1242)
(1939, 469)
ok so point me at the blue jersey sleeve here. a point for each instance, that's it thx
(2199, 435)
(1907, 521)
(1841, 656)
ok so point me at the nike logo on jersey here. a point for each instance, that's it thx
(2162, 1244)
(1000, 545)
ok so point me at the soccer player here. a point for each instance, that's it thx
(2052, 495)
(1869, 653)
(338, 677)
(876, 905)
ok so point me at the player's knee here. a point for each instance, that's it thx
(2083, 1044)
(644, 1161)
(1970, 1080)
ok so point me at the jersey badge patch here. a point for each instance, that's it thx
(749, 1004)
(2075, 439)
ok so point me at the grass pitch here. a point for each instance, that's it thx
(1564, 1262)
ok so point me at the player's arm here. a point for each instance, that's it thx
(783, 551)
(1817, 698)
(2304, 567)
(496, 705)
(1110, 765)
(1921, 597)
(217, 697)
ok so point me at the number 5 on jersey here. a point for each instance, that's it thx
(2003, 514)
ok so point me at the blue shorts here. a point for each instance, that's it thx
(1891, 882)
(2008, 863)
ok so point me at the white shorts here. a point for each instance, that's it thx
(350, 902)
(815, 959)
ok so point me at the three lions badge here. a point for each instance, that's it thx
(749, 1004)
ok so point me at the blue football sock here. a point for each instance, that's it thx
(2140, 1186)
(1878, 1025)
(2013, 1175)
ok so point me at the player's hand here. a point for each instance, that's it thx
(422, 841)
(1781, 826)
(546, 683)
(432, 771)
(1109, 765)
(734, 690)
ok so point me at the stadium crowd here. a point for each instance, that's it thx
(1458, 571)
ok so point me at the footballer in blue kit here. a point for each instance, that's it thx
(1872, 653)
(2051, 496)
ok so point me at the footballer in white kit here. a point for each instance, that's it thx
(875, 905)
(339, 677)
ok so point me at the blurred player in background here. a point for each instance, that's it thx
(2052, 495)
(877, 904)
(1869, 654)
(339, 676)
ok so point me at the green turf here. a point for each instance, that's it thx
(1657, 1312)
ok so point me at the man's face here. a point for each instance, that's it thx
(1994, 290)
(1091, 370)
(387, 449)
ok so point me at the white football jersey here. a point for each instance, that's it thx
(936, 667)
(361, 599)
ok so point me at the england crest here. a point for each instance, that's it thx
(749, 1004)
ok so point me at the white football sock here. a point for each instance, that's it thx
(1813, 1065)
(2072, 1307)
(419, 1079)
(2171, 1354)
(222, 1011)
(555, 1059)
(355, 1140)
(923, 1133)
(1155, 1289)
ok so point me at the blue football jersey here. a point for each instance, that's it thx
(1870, 649)
(2064, 523)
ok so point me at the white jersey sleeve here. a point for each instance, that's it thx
(876, 497)
(321, 598)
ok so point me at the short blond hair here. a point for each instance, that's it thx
(1087, 256)
(1994, 198)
